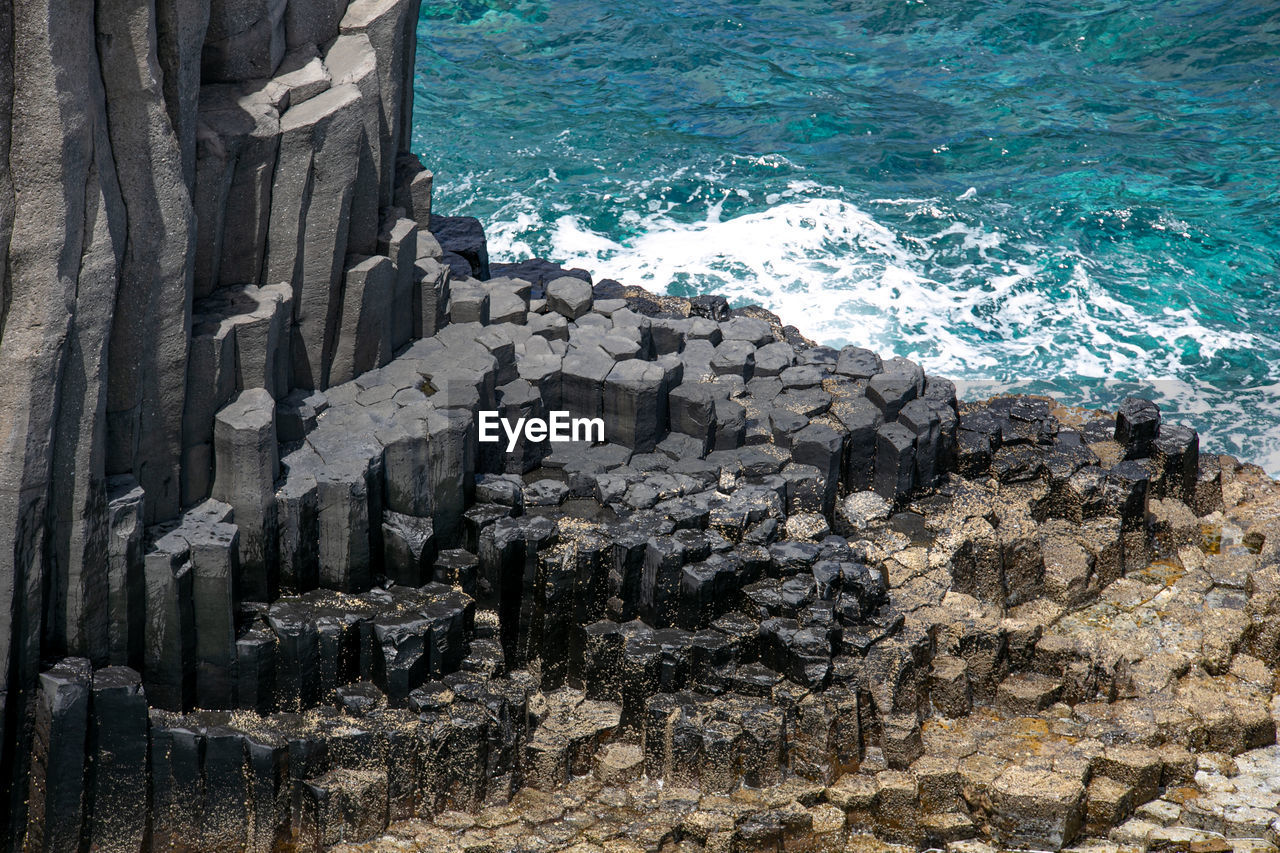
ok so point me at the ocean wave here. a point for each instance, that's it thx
(966, 300)
(830, 266)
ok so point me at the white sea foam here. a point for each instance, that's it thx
(829, 267)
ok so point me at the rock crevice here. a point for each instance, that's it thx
(264, 588)
(140, 147)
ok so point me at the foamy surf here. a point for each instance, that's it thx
(828, 266)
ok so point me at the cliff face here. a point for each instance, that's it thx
(184, 185)
(263, 586)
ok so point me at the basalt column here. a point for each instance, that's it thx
(177, 182)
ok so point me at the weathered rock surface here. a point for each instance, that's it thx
(139, 158)
(266, 589)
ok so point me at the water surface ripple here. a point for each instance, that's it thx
(1047, 196)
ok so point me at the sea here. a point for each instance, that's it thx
(1071, 197)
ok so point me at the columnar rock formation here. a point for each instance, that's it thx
(184, 188)
(265, 588)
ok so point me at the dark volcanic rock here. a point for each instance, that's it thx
(464, 236)
(247, 466)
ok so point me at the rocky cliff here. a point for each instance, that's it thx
(265, 589)
(188, 189)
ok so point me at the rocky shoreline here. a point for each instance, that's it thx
(266, 589)
(799, 599)
(1058, 635)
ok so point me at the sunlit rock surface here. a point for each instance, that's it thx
(267, 590)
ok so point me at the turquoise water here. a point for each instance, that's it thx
(1076, 197)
